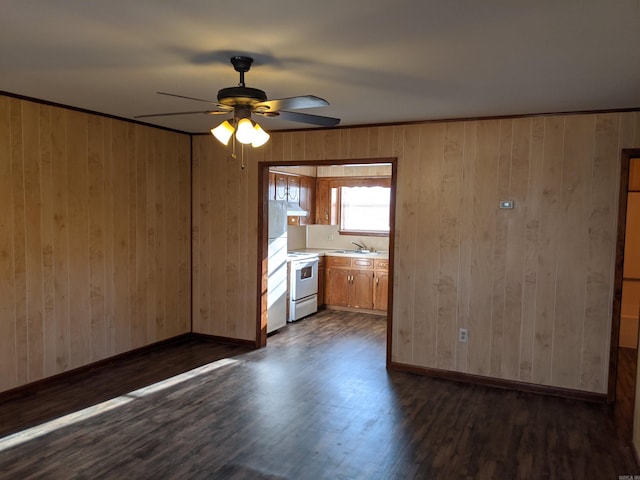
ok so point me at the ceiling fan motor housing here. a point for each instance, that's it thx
(233, 96)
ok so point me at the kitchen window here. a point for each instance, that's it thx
(363, 206)
(365, 209)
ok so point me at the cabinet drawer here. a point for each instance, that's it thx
(366, 263)
(338, 261)
(382, 265)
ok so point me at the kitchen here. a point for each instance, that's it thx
(337, 240)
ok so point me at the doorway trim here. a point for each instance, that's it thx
(263, 212)
(626, 156)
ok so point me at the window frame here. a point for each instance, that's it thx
(359, 182)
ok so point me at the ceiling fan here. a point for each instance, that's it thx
(242, 101)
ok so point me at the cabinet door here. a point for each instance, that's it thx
(293, 189)
(272, 186)
(381, 291)
(281, 186)
(361, 289)
(337, 283)
(307, 199)
(323, 202)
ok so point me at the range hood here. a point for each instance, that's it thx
(294, 210)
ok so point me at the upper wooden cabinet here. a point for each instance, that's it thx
(323, 201)
(281, 186)
(293, 189)
(307, 199)
(298, 189)
(272, 186)
(287, 187)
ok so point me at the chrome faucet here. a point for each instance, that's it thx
(362, 247)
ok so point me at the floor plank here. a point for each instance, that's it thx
(316, 403)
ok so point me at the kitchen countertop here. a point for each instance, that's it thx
(341, 253)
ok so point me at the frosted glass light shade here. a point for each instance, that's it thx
(245, 132)
(223, 132)
(260, 137)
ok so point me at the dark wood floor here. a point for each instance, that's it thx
(316, 403)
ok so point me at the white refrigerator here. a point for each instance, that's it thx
(277, 266)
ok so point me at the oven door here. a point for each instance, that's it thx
(304, 278)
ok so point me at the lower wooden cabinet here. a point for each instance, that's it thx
(354, 282)
(337, 286)
(361, 289)
(381, 285)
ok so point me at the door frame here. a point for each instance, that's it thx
(263, 219)
(626, 156)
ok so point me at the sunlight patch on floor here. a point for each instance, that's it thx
(32, 433)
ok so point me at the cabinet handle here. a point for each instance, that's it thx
(377, 280)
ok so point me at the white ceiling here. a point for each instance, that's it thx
(375, 61)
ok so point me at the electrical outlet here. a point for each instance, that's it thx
(463, 335)
(330, 236)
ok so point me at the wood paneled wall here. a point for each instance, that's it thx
(533, 285)
(225, 241)
(94, 238)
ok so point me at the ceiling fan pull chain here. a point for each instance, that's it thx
(233, 149)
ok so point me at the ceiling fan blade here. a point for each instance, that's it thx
(306, 118)
(210, 112)
(188, 98)
(291, 103)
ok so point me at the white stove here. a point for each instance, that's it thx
(303, 286)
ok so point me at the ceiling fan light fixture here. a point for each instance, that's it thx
(223, 132)
(245, 132)
(260, 137)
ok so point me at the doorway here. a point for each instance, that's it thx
(263, 219)
(626, 306)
